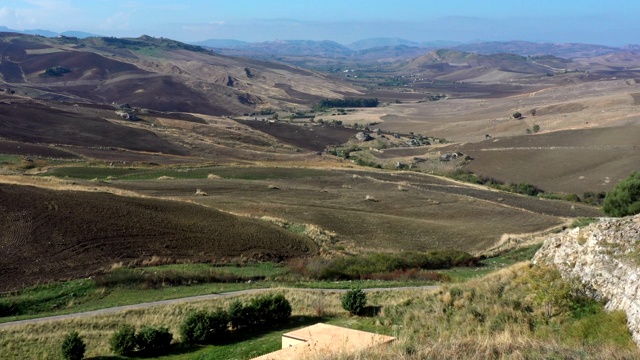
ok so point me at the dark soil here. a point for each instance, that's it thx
(17, 148)
(55, 235)
(31, 122)
(314, 138)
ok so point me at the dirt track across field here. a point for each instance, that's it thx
(193, 298)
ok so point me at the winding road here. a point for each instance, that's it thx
(195, 298)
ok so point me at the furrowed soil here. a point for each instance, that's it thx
(55, 235)
(370, 210)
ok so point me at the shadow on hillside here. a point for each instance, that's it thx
(244, 335)
(371, 311)
(293, 323)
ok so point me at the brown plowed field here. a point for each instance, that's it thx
(53, 235)
(18, 148)
(314, 138)
(31, 122)
(573, 161)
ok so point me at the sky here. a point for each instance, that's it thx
(612, 22)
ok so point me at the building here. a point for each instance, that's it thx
(314, 341)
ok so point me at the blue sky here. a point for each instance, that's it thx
(613, 22)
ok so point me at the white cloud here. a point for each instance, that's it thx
(51, 14)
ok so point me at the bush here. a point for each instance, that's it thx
(7, 308)
(123, 341)
(517, 115)
(205, 327)
(268, 309)
(624, 199)
(239, 315)
(196, 327)
(354, 301)
(218, 325)
(73, 347)
(154, 341)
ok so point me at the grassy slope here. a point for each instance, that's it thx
(513, 313)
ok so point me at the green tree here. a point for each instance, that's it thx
(123, 341)
(354, 301)
(517, 115)
(536, 128)
(154, 341)
(624, 199)
(196, 328)
(73, 347)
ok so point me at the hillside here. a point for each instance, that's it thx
(53, 235)
(158, 74)
(453, 65)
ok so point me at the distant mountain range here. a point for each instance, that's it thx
(373, 49)
(47, 33)
(390, 49)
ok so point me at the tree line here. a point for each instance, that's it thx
(348, 102)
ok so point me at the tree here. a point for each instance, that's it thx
(517, 115)
(624, 199)
(536, 128)
(153, 340)
(196, 328)
(354, 301)
(73, 347)
(123, 341)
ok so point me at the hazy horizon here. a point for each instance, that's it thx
(605, 23)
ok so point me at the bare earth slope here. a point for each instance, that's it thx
(159, 74)
(53, 235)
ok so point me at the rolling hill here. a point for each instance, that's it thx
(158, 74)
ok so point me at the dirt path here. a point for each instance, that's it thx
(194, 298)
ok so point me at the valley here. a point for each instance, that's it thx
(143, 169)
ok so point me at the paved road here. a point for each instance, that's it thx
(195, 298)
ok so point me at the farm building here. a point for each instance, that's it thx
(323, 339)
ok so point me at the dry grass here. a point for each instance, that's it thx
(42, 340)
(496, 317)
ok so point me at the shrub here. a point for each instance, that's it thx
(7, 308)
(354, 301)
(218, 325)
(279, 309)
(73, 347)
(268, 309)
(196, 327)
(123, 341)
(517, 115)
(239, 316)
(154, 341)
(624, 199)
(572, 197)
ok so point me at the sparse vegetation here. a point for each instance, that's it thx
(407, 265)
(56, 71)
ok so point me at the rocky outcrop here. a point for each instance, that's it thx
(605, 257)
